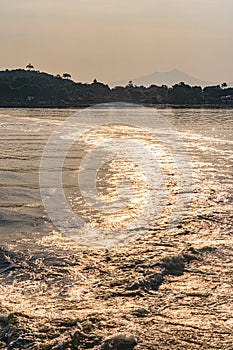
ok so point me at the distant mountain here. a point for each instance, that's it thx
(165, 78)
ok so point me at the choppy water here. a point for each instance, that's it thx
(207, 136)
(55, 277)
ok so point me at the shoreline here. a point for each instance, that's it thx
(158, 106)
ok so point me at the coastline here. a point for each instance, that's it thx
(82, 106)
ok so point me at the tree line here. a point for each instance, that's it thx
(37, 89)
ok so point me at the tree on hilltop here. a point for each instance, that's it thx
(66, 75)
(29, 66)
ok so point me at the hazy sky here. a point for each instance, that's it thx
(118, 39)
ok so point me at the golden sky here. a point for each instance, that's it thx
(118, 39)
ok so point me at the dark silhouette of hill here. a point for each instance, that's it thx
(22, 73)
(30, 88)
(33, 88)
